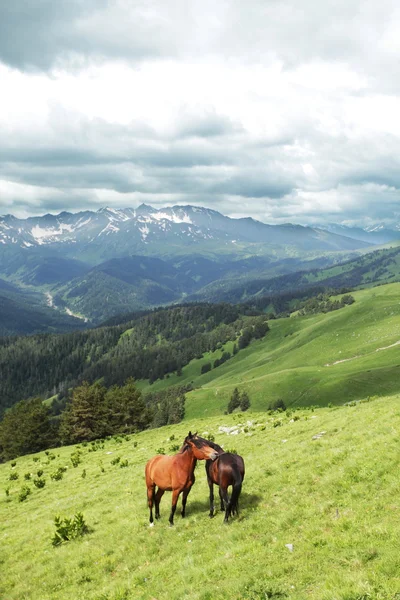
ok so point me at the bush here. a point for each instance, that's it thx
(39, 483)
(277, 405)
(124, 463)
(40, 472)
(24, 493)
(160, 451)
(75, 459)
(205, 368)
(58, 475)
(27, 476)
(116, 460)
(13, 476)
(69, 529)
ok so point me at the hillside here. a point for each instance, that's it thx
(373, 268)
(318, 517)
(318, 359)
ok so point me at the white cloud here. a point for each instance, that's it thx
(287, 111)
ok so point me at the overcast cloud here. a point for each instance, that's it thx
(277, 109)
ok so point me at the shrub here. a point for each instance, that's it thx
(206, 368)
(174, 448)
(40, 472)
(124, 463)
(39, 483)
(115, 460)
(27, 476)
(69, 529)
(13, 464)
(58, 475)
(277, 405)
(35, 459)
(75, 459)
(160, 451)
(13, 476)
(24, 493)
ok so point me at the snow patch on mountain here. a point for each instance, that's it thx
(41, 235)
(171, 217)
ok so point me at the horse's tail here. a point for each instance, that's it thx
(236, 489)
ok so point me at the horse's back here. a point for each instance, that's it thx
(228, 466)
(158, 471)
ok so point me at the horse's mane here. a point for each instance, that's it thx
(215, 446)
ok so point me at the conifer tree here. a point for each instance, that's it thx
(234, 402)
(244, 401)
(85, 419)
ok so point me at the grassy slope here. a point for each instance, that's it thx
(291, 361)
(336, 499)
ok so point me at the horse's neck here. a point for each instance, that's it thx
(190, 460)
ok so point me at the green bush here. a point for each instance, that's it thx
(116, 460)
(13, 476)
(75, 459)
(57, 475)
(69, 529)
(27, 476)
(24, 493)
(39, 483)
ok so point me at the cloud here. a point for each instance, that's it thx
(278, 110)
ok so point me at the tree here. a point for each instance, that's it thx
(126, 408)
(26, 428)
(205, 368)
(244, 401)
(245, 338)
(234, 402)
(86, 418)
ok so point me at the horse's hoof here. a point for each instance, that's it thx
(151, 525)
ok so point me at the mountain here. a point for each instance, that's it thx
(377, 234)
(373, 268)
(109, 233)
(23, 312)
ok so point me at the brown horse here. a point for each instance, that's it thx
(175, 474)
(226, 470)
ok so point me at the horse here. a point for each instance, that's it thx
(227, 469)
(175, 474)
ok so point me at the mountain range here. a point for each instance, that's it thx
(89, 266)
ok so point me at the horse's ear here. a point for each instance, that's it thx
(190, 434)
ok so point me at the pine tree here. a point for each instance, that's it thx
(234, 402)
(126, 408)
(26, 428)
(244, 401)
(86, 417)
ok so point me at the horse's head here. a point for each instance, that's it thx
(200, 447)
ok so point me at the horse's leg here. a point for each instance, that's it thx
(211, 486)
(150, 499)
(221, 498)
(185, 494)
(224, 495)
(157, 499)
(175, 496)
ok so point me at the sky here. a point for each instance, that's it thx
(282, 110)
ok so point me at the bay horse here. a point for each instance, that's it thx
(175, 474)
(227, 469)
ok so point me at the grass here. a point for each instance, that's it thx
(333, 358)
(319, 517)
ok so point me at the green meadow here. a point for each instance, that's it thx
(319, 514)
(320, 359)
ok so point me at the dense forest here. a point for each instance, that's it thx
(149, 346)
(89, 376)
